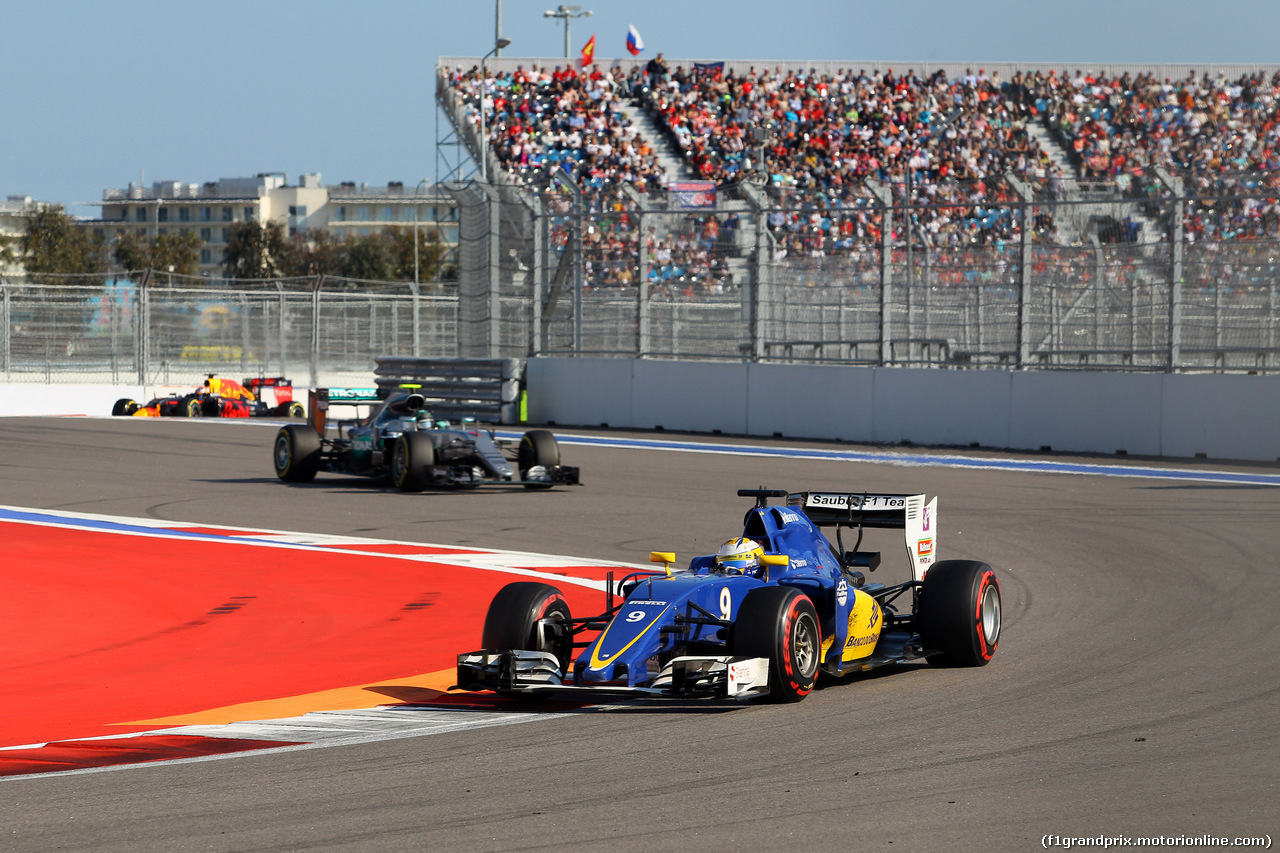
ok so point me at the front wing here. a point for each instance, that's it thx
(539, 673)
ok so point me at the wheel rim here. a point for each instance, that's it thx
(399, 462)
(804, 645)
(991, 614)
(282, 453)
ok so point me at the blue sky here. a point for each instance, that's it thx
(94, 95)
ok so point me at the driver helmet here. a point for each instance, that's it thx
(740, 556)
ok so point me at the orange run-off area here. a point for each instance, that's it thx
(107, 633)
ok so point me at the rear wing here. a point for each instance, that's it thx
(910, 513)
(320, 399)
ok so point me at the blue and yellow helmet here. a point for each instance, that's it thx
(739, 555)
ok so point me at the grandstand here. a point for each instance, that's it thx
(961, 214)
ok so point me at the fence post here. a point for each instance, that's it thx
(245, 337)
(5, 342)
(1024, 267)
(576, 237)
(495, 271)
(541, 261)
(417, 314)
(315, 329)
(642, 308)
(144, 327)
(885, 197)
(1174, 185)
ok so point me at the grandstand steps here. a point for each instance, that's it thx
(1078, 222)
(675, 168)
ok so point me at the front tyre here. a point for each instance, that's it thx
(538, 447)
(411, 461)
(529, 616)
(192, 407)
(959, 615)
(296, 411)
(296, 454)
(124, 407)
(780, 623)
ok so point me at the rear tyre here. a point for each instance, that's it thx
(959, 613)
(124, 407)
(192, 407)
(411, 461)
(529, 616)
(537, 447)
(296, 410)
(781, 624)
(296, 454)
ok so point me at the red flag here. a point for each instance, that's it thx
(589, 51)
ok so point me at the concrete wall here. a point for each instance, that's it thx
(21, 398)
(1149, 414)
(1173, 415)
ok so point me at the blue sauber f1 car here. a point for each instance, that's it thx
(763, 617)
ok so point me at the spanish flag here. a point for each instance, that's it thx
(589, 51)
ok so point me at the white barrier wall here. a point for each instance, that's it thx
(1175, 415)
(29, 398)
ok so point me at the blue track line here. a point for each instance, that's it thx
(924, 460)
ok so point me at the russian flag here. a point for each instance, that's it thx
(635, 44)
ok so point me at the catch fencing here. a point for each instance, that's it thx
(156, 329)
(1171, 283)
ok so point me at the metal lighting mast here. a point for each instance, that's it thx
(566, 13)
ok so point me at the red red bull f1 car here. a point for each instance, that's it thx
(258, 397)
(774, 609)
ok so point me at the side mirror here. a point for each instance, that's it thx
(667, 558)
(775, 560)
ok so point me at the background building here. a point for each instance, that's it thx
(12, 215)
(210, 209)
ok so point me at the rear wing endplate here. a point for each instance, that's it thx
(320, 399)
(910, 513)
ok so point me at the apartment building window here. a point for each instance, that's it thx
(140, 215)
(341, 215)
(226, 214)
(249, 214)
(226, 235)
(160, 232)
(162, 214)
(206, 214)
(206, 235)
(362, 214)
(184, 214)
(388, 214)
(206, 256)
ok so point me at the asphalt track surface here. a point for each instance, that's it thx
(1136, 691)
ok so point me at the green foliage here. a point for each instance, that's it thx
(179, 251)
(8, 251)
(51, 243)
(262, 251)
(431, 264)
(256, 250)
(132, 252)
(314, 252)
(369, 258)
